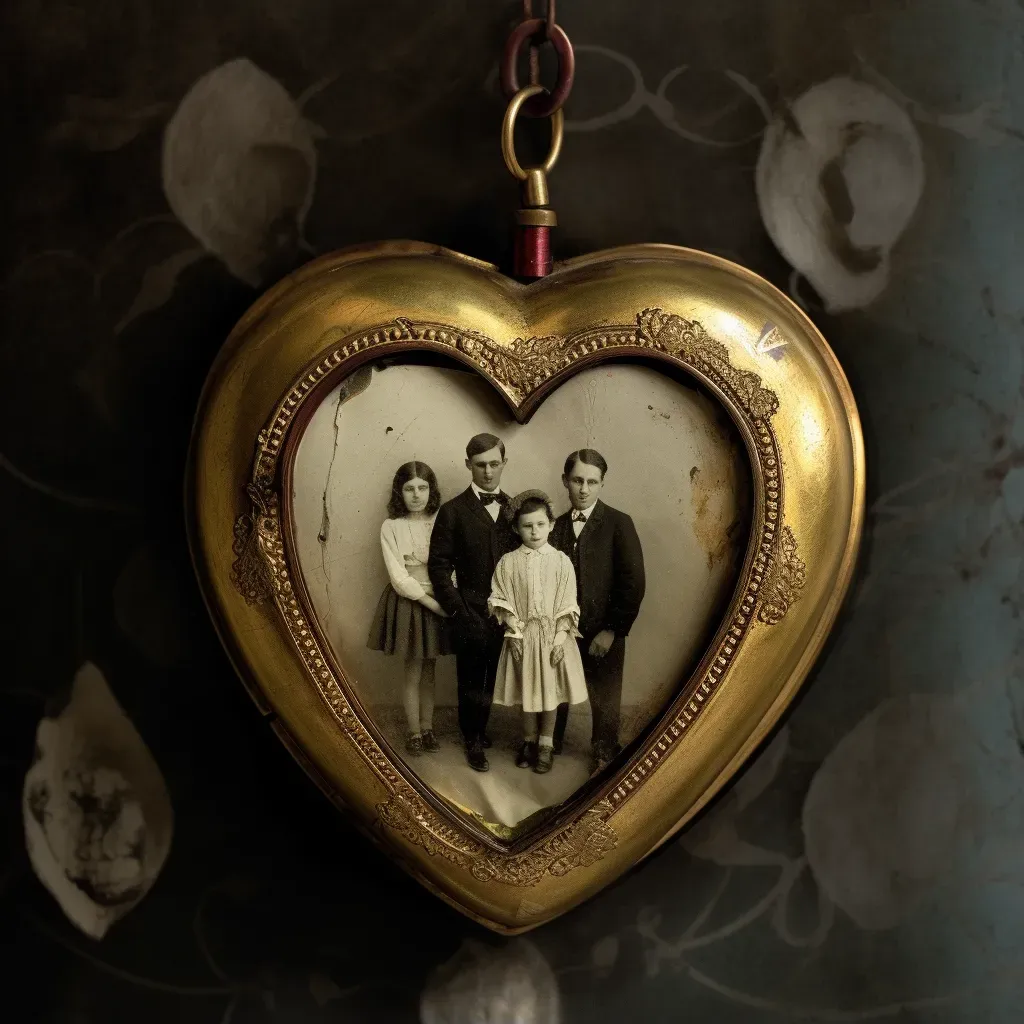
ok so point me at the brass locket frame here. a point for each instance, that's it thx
(763, 361)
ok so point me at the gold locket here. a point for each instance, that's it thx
(730, 446)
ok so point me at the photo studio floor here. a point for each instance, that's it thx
(505, 795)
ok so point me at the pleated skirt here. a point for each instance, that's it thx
(406, 628)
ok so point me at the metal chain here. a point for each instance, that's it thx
(531, 257)
(534, 48)
(549, 24)
(533, 32)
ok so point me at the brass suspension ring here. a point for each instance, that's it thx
(508, 129)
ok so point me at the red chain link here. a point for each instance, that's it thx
(535, 31)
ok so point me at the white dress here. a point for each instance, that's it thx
(533, 593)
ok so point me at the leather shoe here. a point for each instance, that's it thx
(545, 757)
(602, 755)
(476, 758)
(527, 756)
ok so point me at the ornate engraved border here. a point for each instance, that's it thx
(774, 577)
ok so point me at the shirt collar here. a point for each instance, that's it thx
(544, 549)
(478, 491)
(586, 511)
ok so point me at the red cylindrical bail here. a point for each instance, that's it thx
(532, 251)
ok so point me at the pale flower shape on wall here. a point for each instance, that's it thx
(97, 815)
(890, 806)
(839, 177)
(239, 169)
(511, 984)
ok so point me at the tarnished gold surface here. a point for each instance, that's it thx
(744, 341)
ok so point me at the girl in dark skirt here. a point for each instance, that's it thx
(409, 622)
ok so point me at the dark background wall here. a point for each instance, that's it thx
(899, 775)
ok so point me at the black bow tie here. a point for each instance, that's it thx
(578, 516)
(489, 499)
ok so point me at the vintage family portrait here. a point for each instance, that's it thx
(515, 603)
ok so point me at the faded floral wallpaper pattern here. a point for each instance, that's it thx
(168, 161)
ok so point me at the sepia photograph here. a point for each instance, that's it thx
(514, 604)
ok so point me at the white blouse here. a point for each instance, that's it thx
(535, 584)
(405, 543)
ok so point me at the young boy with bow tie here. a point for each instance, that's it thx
(609, 562)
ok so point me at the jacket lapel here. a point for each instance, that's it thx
(562, 533)
(476, 506)
(494, 527)
(590, 530)
(591, 526)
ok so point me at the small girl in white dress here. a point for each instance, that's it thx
(533, 594)
(409, 622)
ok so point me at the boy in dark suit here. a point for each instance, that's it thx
(609, 563)
(470, 535)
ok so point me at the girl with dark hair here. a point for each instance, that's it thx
(409, 622)
(533, 594)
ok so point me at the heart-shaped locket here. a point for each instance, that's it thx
(522, 574)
